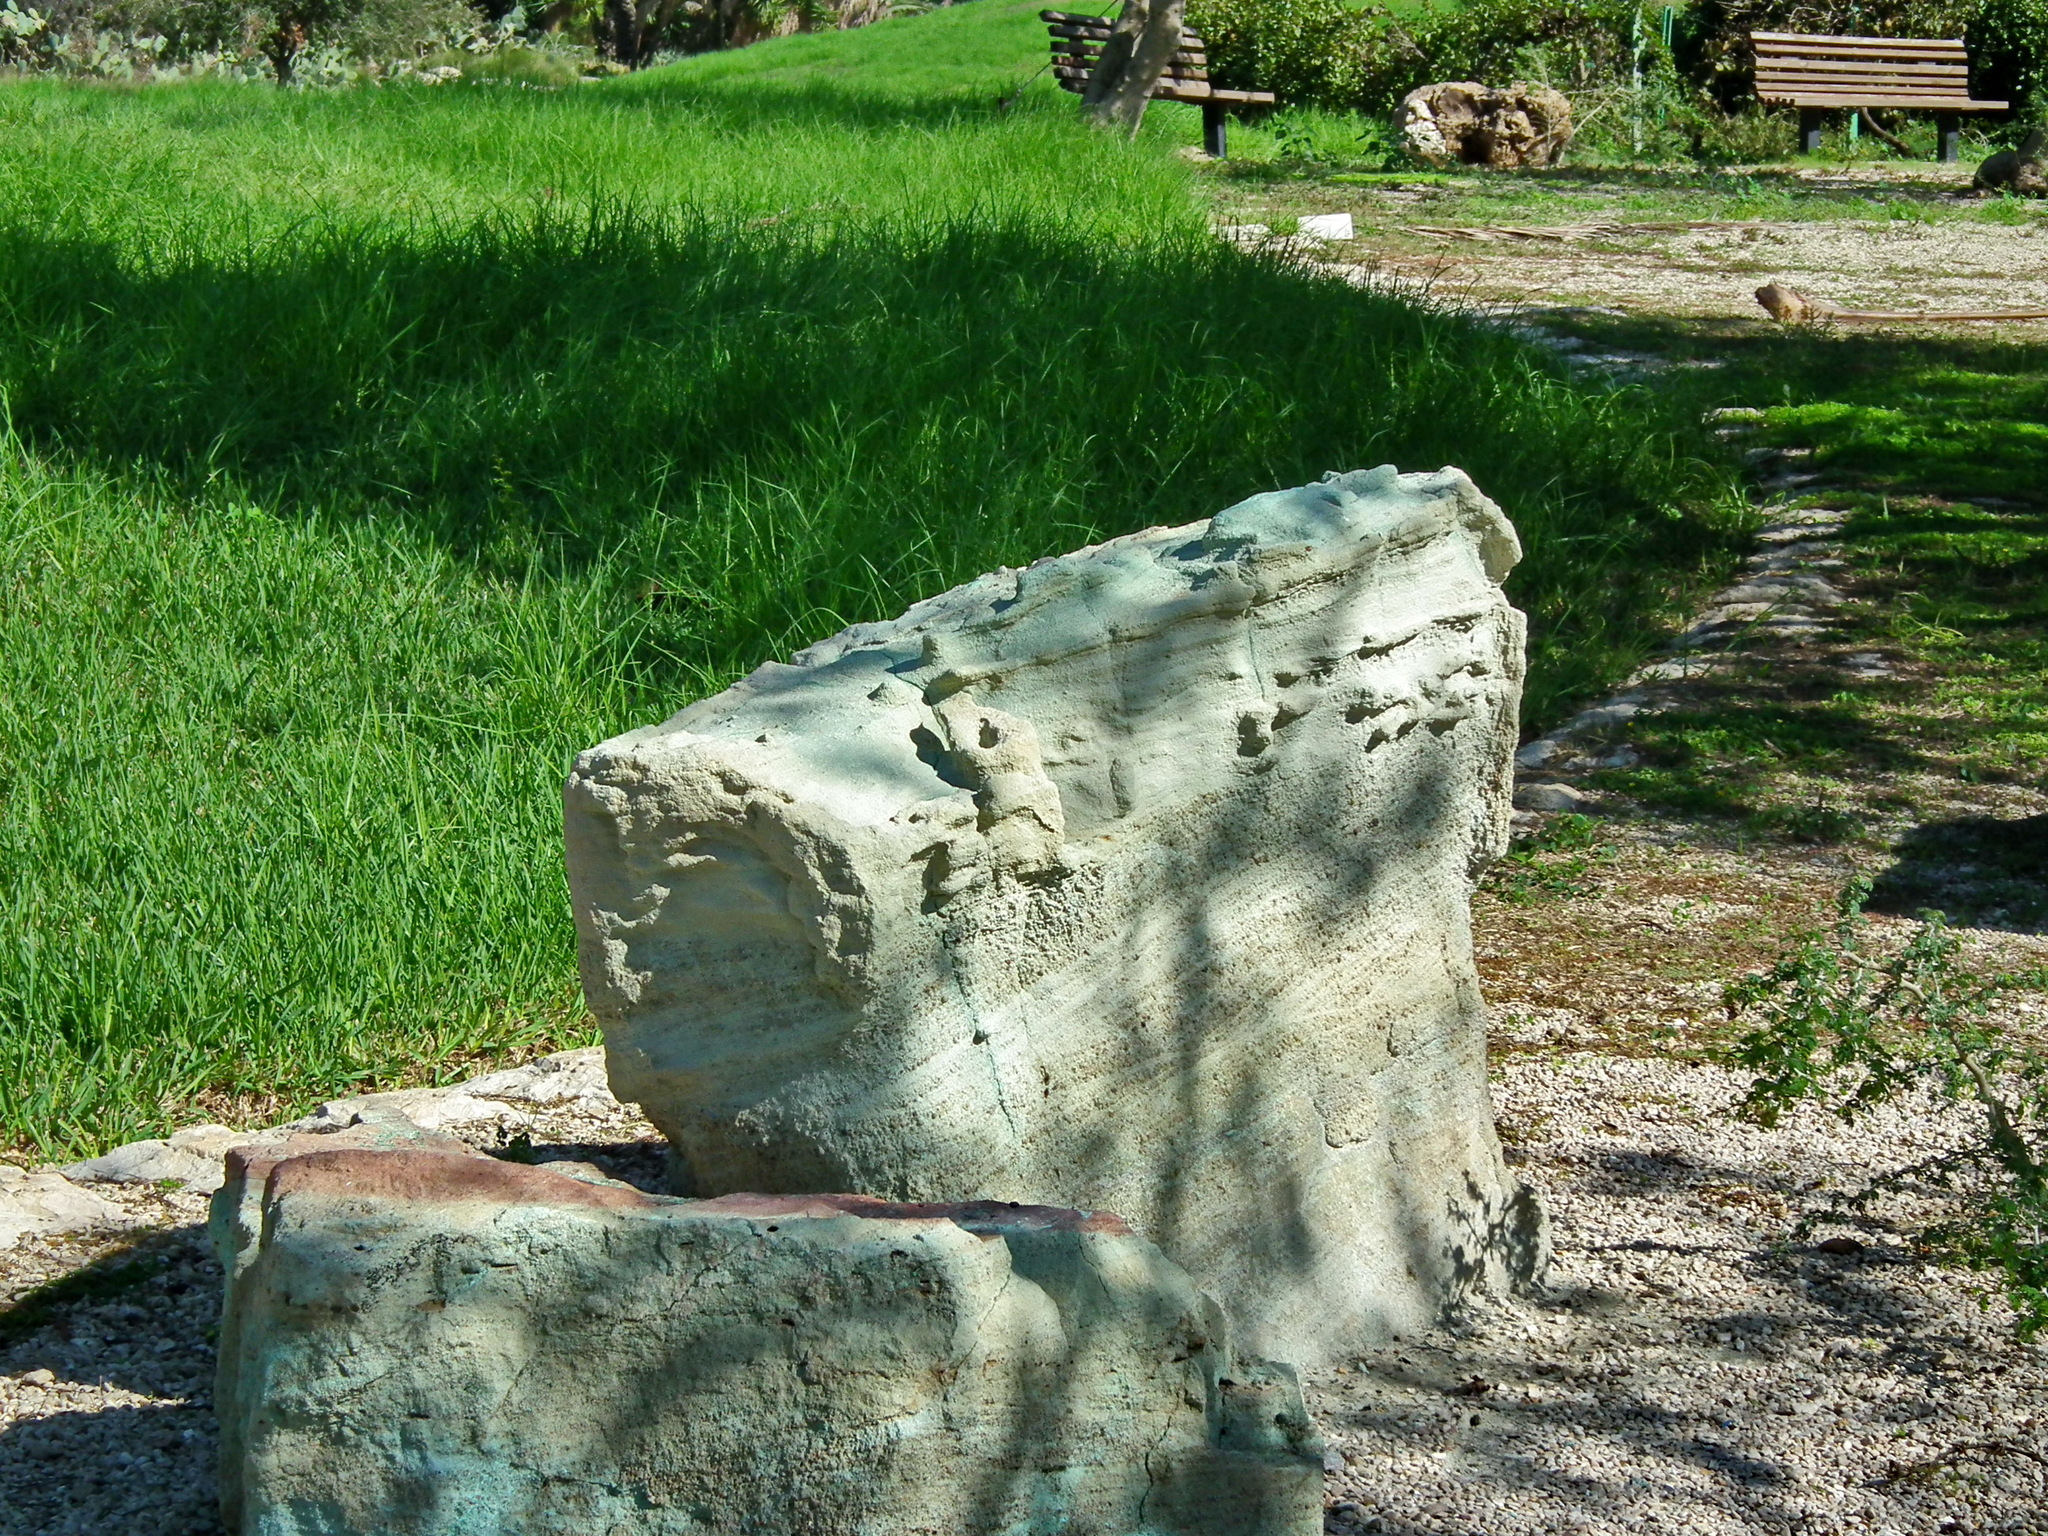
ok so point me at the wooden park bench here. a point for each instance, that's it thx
(1077, 43)
(1913, 74)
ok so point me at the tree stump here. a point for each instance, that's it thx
(1506, 128)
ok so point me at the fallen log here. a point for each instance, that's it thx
(1790, 307)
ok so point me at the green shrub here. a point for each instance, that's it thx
(1572, 42)
(1693, 97)
(143, 38)
(1307, 52)
(2009, 55)
(1844, 1023)
(545, 69)
(395, 29)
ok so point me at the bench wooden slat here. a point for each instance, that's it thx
(1176, 62)
(1820, 81)
(1099, 36)
(1090, 58)
(1194, 90)
(1074, 24)
(1869, 56)
(1824, 83)
(1791, 88)
(1828, 100)
(1083, 74)
(1828, 42)
(1766, 54)
(1096, 44)
(1900, 70)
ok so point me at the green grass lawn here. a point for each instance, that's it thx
(1939, 447)
(366, 455)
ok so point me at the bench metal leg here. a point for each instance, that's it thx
(1949, 125)
(1809, 130)
(1215, 130)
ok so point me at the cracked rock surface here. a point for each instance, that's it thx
(1135, 880)
(421, 1340)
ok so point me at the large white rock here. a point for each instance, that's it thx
(1135, 880)
(432, 1343)
(43, 1203)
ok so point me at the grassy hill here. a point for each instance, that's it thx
(365, 455)
(963, 54)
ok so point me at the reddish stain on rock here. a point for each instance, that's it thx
(988, 1217)
(441, 1178)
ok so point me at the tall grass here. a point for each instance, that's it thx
(353, 482)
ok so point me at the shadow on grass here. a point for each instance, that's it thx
(1724, 756)
(1980, 871)
(784, 429)
(753, 103)
(1958, 415)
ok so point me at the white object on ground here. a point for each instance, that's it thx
(1325, 226)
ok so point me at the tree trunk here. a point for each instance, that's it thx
(1140, 46)
(622, 26)
(283, 48)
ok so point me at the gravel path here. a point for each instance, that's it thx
(1690, 1367)
(1693, 1369)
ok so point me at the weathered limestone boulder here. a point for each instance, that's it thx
(434, 1343)
(43, 1203)
(1136, 880)
(1464, 122)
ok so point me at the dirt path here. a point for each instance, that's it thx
(1875, 238)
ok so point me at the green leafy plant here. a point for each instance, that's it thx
(2009, 57)
(1308, 52)
(1552, 862)
(1843, 1023)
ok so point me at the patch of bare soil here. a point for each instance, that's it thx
(1898, 237)
(1713, 272)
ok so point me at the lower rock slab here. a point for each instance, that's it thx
(427, 1342)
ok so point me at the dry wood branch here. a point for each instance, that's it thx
(1890, 138)
(1790, 307)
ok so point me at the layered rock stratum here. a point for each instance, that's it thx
(1135, 880)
